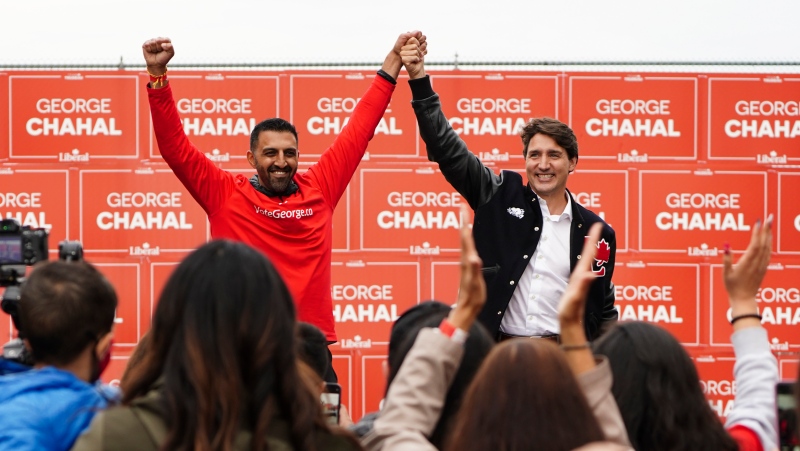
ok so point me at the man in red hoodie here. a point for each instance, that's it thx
(285, 215)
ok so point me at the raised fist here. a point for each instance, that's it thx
(157, 53)
(404, 37)
(413, 56)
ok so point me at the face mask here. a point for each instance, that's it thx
(100, 365)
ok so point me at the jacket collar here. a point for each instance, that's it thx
(577, 218)
(291, 189)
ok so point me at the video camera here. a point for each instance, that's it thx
(21, 247)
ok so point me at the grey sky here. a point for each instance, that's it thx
(249, 31)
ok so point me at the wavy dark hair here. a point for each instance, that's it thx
(559, 131)
(524, 397)
(223, 342)
(658, 391)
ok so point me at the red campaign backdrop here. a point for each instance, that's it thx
(150, 209)
(778, 302)
(408, 210)
(678, 164)
(368, 297)
(666, 294)
(788, 218)
(38, 198)
(693, 211)
(754, 118)
(634, 119)
(716, 378)
(73, 117)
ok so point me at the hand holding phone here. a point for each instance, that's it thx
(331, 402)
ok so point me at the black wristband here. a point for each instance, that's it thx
(746, 315)
(387, 77)
(576, 347)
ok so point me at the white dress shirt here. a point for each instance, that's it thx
(533, 309)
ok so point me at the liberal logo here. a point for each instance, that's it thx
(632, 157)
(516, 212)
(494, 155)
(772, 158)
(703, 251)
(144, 250)
(356, 342)
(602, 257)
(425, 249)
(216, 155)
(74, 156)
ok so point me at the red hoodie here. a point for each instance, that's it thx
(294, 231)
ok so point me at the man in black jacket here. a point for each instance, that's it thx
(529, 236)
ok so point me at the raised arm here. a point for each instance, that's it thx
(209, 185)
(338, 163)
(595, 380)
(572, 305)
(462, 169)
(756, 369)
(415, 399)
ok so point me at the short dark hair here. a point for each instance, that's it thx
(313, 348)
(404, 333)
(274, 124)
(63, 308)
(559, 131)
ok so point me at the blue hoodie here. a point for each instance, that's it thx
(47, 408)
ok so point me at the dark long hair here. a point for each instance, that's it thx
(524, 397)
(658, 391)
(223, 341)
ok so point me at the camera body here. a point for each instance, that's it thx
(21, 245)
(20, 248)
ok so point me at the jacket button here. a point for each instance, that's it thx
(511, 282)
(580, 225)
(579, 257)
(536, 229)
(500, 312)
(525, 257)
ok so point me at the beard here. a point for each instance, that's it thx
(278, 184)
(275, 183)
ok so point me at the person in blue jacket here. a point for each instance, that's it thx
(66, 311)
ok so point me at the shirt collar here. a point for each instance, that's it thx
(567, 214)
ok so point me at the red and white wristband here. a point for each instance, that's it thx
(447, 329)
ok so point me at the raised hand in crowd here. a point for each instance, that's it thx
(743, 280)
(413, 56)
(472, 289)
(573, 303)
(157, 53)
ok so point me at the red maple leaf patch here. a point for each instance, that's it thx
(603, 252)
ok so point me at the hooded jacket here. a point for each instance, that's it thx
(47, 408)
